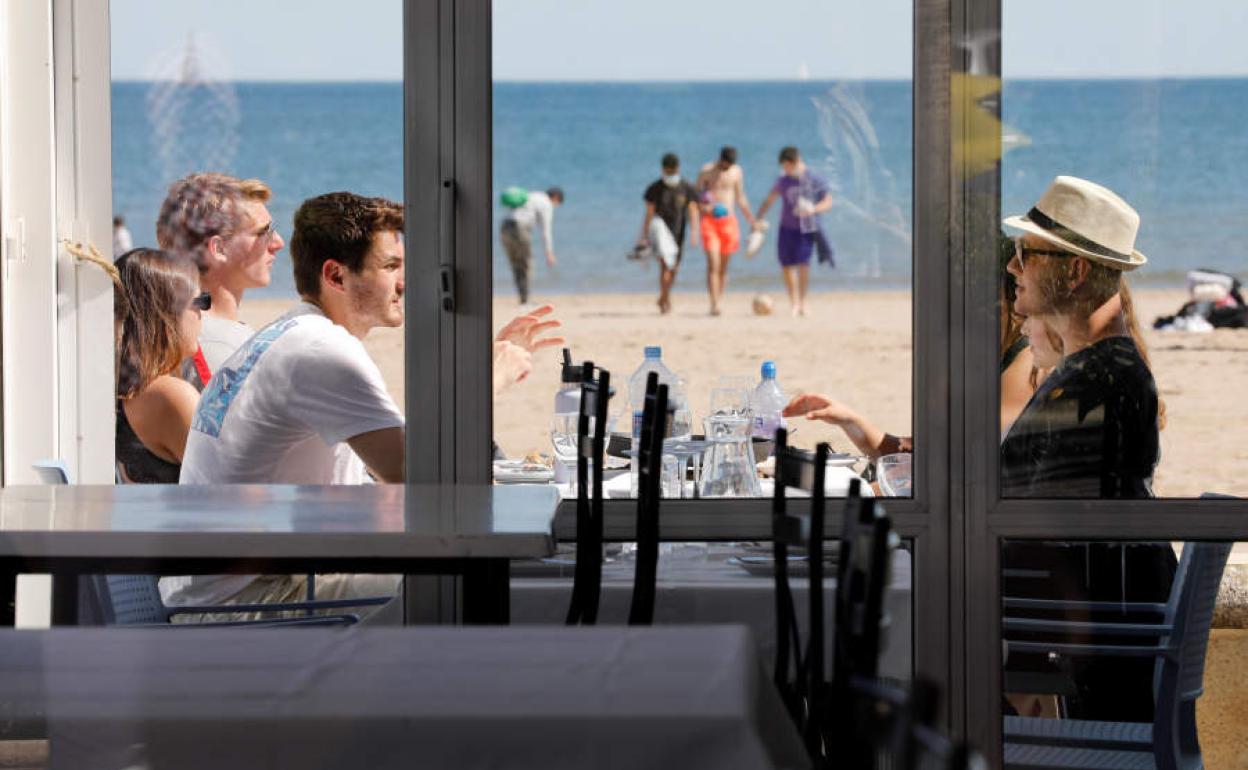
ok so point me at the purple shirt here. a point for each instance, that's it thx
(810, 186)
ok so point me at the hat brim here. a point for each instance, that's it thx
(1027, 226)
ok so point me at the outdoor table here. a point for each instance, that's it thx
(470, 530)
(693, 588)
(389, 698)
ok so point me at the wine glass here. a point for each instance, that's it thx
(894, 474)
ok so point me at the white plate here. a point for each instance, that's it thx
(513, 472)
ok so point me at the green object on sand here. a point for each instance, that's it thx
(514, 197)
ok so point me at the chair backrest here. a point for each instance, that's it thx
(867, 543)
(1180, 675)
(125, 600)
(649, 463)
(51, 472)
(591, 444)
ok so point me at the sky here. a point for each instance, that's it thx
(592, 40)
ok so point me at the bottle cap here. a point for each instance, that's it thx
(769, 370)
(571, 372)
(654, 351)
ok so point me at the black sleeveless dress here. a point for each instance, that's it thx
(136, 463)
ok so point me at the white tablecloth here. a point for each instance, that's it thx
(715, 591)
(401, 698)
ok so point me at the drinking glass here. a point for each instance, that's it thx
(563, 439)
(671, 477)
(894, 474)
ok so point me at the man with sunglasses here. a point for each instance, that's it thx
(224, 224)
(721, 185)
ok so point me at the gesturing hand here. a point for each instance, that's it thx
(525, 331)
(512, 364)
(817, 406)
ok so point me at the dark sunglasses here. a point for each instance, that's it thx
(1023, 252)
(202, 302)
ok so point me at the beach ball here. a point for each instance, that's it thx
(762, 304)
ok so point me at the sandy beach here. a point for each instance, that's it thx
(855, 346)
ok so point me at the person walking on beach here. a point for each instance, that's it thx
(804, 195)
(525, 210)
(221, 222)
(721, 186)
(671, 203)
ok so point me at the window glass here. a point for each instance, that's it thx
(1080, 619)
(1121, 137)
(282, 102)
(628, 170)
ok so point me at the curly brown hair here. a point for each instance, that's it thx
(338, 226)
(152, 290)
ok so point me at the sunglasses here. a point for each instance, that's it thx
(202, 302)
(1022, 252)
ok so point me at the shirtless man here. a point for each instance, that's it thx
(722, 186)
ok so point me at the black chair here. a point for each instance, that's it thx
(799, 671)
(587, 576)
(654, 428)
(134, 600)
(1178, 644)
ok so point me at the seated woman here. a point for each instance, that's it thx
(157, 307)
(1091, 428)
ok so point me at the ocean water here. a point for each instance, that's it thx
(1173, 148)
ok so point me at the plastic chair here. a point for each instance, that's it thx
(134, 600)
(587, 575)
(1178, 643)
(649, 463)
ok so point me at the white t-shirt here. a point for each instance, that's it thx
(280, 409)
(539, 209)
(220, 337)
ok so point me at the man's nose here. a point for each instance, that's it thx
(1013, 267)
(277, 243)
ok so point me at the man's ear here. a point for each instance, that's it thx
(214, 251)
(333, 274)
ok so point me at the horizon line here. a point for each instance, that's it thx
(706, 81)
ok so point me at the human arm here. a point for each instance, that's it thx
(762, 210)
(695, 224)
(870, 440)
(546, 217)
(1016, 389)
(742, 201)
(383, 452)
(645, 223)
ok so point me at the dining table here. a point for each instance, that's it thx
(472, 531)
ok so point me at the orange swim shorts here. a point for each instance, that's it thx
(720, 234)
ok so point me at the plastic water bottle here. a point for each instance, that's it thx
(637, 397)
(768, 404)
(568, 397)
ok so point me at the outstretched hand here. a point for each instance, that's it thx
(512, 364)
(817, 406)
(526, 331)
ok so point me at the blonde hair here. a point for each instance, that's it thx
(201, 206)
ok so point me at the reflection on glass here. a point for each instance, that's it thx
(1091, 427)
(730, 212)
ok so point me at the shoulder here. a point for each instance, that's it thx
(164, 399)
(652, 190)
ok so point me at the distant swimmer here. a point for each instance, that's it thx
(525, 209)
(721, 186)
(804, 195)
(671, 203)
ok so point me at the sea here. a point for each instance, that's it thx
(1177, 150)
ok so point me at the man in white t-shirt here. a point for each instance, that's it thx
(223, 222)
(302, 402)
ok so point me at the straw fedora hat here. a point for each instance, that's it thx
(1085, 219)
